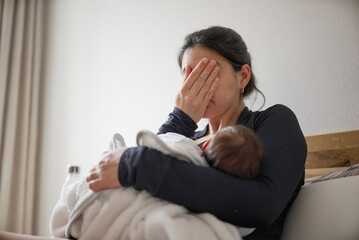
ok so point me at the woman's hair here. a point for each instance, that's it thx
(227, 43)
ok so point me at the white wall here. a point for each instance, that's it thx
(111, 67)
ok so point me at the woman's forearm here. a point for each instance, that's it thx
(199, 189)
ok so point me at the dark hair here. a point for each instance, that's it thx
(236, 150)
(227, 43)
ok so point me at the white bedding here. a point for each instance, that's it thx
(351, 171)
(324, 211)
(130, 214)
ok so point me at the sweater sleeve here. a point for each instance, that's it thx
(243, 202)
(179, 122)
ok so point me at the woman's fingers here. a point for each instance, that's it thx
(208, 84)
(105, 174)
(205, 78)
(199, 81)
(97, 185)
(198, 85)
(106, 178)
(92, 176)
(193, 77)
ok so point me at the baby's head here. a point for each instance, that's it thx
(236, 150)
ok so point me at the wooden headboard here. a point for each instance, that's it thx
(331, 152)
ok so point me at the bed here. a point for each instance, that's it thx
(331, 152)
(327, 207)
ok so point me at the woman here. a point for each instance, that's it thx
(217, 73)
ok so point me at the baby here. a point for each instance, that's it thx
(80, 212)
(234, 149)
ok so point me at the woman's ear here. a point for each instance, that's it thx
(244, 76)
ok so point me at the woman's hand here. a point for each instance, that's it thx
(104, 174)
(198, 89)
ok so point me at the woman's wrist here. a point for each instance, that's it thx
(124, 171)
(189, 122)
(179, 122)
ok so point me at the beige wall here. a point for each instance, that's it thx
(111, 67)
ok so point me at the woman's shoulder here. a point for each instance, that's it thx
(277, 110)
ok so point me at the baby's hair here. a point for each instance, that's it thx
(236, 150)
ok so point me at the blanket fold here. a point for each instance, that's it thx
(126, 213)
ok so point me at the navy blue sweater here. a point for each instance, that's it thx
(261, 203)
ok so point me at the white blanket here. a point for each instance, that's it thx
(130, 214)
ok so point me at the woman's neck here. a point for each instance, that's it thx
(229, 118)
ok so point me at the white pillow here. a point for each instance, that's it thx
(324, 211)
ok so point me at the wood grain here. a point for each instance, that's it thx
(328, 152)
